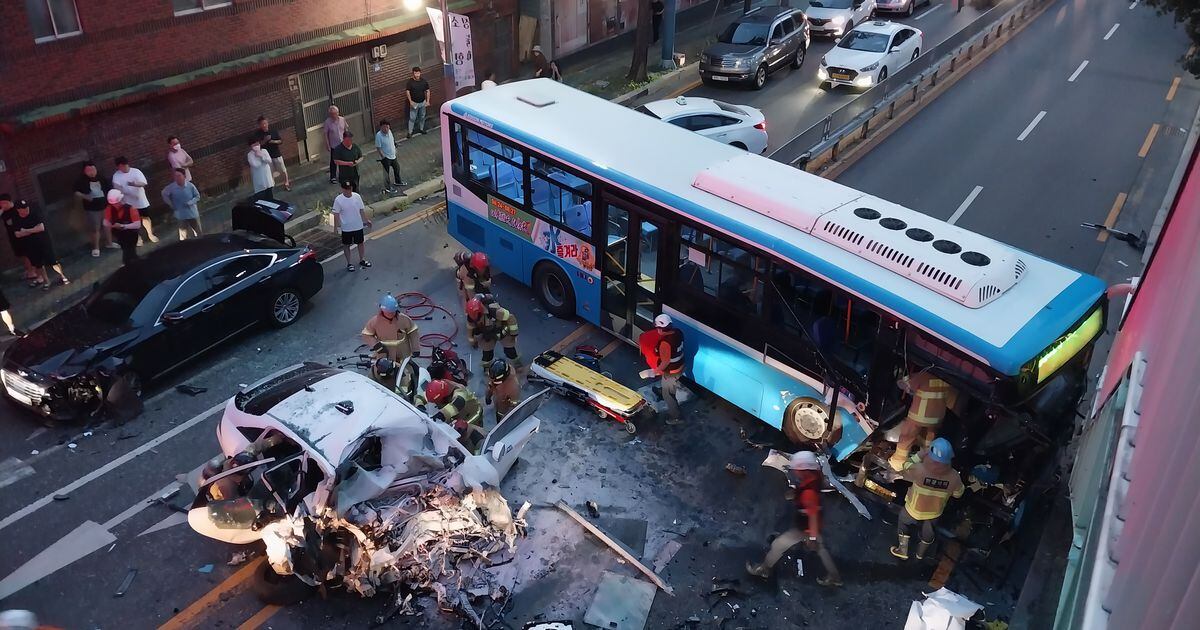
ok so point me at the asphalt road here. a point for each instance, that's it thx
(1034, 142)
(792, 101)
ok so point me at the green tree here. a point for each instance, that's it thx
(1187, 12)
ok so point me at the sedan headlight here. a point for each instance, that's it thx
(822, 74)
(838, 20)
(870, 67)
(864, 80)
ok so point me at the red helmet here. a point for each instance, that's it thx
(479, 262)
(438, 391)
(474, 308)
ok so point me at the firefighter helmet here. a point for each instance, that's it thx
(474, 308)
(462, 258)
(479, 262)
(388, 304)
(498, 370)
(941, 451)
(437, 392)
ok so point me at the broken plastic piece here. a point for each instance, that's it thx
(190, 390)
(208, 568)
(735, 469)
(125, 584)
(61, 497)
(593, 509)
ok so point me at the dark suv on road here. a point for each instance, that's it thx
(756, 44)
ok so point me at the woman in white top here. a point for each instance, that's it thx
(260, 171)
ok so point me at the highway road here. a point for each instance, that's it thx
(73, 509)
(792, 100)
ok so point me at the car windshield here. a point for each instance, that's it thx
(864, 41)
(831, 4)
(113, 302)
(732, 109)
(751, 33)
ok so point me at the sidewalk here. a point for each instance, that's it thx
(599, 70)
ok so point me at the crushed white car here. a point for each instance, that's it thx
(348, 483)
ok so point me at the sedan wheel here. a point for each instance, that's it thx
(760, 77)
(285, 308)
(882, 75)
(909, 11)
(916, 53)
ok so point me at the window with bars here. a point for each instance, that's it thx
(185, 7)
(52, 19)
(423, 51)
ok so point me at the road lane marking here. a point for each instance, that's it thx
(962, 207)
(260, 617)
(1111, 219)
(1150, 135)
(612, 345)
(1111, 31)
(1132, 5)
(1174, 87)
(109, 467)
(84, 540)
(1036, 119)
(141, 505)
(13, 470)
(929, 10)
(1075, 75)
(571, 337)
(199, 609)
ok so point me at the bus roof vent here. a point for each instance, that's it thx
(535, 99)
(968, 268)
(776, 191)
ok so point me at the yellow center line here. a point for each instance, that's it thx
(1174, 87)
(260, 617)
(400, 225)
(571, 338)
(190, 617)
(612, 345)
(1111, 219)
(1149, 140)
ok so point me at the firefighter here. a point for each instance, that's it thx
(394, 330)
(805, 480)
(931, 397)
(458, 407)
(934, 482)
(487, 323)
(503, 388)
(473, 272)
(662, 348)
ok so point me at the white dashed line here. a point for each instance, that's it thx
(928, 11)
(1132, 5)
(962, 207)
(1111, 31)
(1036, 119)
(1075, 75)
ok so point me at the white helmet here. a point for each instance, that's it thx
(662, 321)
(115, 196)
(804, 460)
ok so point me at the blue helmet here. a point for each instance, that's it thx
(388, 304)
(941, 451)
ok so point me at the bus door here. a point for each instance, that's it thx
(632, 251)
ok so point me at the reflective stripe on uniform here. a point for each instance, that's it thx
(930, 401)
(925, 503)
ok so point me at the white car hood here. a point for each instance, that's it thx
(852, 59)
(822, 13)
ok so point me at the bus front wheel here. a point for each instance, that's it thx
(806, 421)
(554, 290)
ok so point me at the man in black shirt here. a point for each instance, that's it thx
(91, 189)
(418, 97)
(272, 142)
(346, 156)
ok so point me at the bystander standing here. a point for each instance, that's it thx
(31, 230)
(347, 157)
(350, 218)
(183, 196)
(385, 143)
(489, 80)
(124, 221)
(543, 67)
(9, 214)
(132, 183)
(335, 130)
(89, 189)
(418, 98)
(7, 317)
(178, 158)
(272, 143)
(260, 170)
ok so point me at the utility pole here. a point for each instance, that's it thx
(668, 35)
(447, 54)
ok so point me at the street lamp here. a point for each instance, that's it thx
(448, 84)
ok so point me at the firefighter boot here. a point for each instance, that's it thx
(923, 548)
(901, 548)
(757, 570)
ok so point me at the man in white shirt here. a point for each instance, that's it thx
(132, 183)
(260, 170)
(350, 218)
(489, 80)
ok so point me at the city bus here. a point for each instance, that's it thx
(796, 294)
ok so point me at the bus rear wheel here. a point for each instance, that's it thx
(554, 290)
(806, 421)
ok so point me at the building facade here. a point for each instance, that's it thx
(1134, 562)
(94, 79)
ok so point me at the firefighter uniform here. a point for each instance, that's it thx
(934, 483)
(503, 388)
(458, 407)
(932, 396)
(473, 274)
(487, 323)
(398, 334)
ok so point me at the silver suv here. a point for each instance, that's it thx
(756, 44)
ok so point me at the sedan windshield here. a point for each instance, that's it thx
(864, 41)
(115, 300)
(744, 33)
(831, 4)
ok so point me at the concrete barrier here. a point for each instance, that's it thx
(669, 85)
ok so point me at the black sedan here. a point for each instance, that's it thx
(155, 314)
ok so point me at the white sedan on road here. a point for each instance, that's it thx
(834, 17)
(868, 54)
(738, 125)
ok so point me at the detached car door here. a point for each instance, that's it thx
(505, 442)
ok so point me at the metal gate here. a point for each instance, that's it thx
(343, 84)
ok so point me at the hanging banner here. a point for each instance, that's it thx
(460, 44)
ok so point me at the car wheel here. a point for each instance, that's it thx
(554, 290)
(760, 77)
(909, 11)
(738, 145)
(798, 60)
(916, 53)
(280, 590)
(284, 307)
(882, 75)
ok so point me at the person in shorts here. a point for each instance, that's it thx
(350, 218)
(30, 229)
(90, 189)
(273, 143)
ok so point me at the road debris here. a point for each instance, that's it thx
(942, 609)
(208, 568)
(665, 554)
(190, 390)
(126, 583)
(615, 546)
(61, 497)
(593, 509)
(735, 469)
(72, 446)
(240, 558)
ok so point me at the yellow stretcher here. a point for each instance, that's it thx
(574, 380)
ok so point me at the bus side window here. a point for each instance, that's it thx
(496, 166)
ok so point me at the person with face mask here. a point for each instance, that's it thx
(260, 170)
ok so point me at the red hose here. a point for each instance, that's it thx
(417, 305)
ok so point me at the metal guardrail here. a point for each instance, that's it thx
(855, 116)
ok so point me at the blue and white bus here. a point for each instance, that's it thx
(789, 287)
